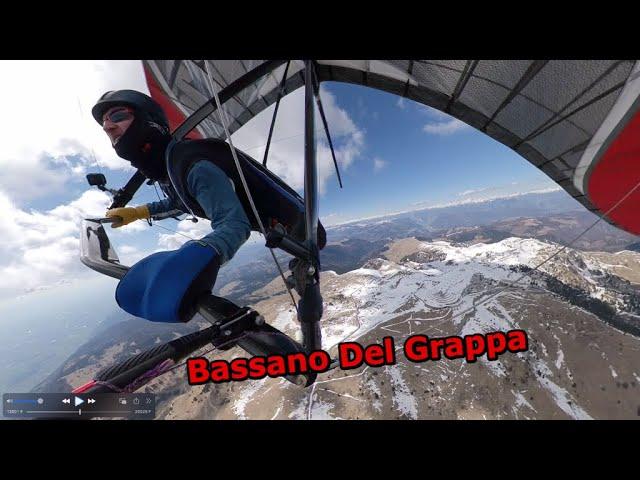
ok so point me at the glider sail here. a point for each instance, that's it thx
(577, 121)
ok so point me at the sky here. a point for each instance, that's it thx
(394, 155)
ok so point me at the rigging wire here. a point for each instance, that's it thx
(170, 230)
(318, 131)
(93, 155)
(224, 121)
(275, 113)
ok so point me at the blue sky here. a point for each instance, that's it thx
(417, 166)
(394, 155)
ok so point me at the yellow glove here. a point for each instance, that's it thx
(128, 214)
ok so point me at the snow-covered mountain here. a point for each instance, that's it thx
(580, 311)
(546, 216)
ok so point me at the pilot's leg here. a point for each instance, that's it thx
(165, 286)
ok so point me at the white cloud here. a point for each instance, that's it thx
(480, 195)
(428, 205)
(469, 192)
(41, 249)
(128, 249)
(445, 128)
(401, 104)
(441, 124)
(47, 119)
(378, 164)
(131, 228)
(286, 157)
(508, 190)
(334, 219)
(130, 254)
(32, 179)
(187, 230)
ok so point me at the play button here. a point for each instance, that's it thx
(78, 401)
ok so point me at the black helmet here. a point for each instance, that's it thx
(137, 100)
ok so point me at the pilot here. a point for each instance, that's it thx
(165, 286)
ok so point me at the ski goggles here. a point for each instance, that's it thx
(117, 116)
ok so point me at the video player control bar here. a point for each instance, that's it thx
(140, 406)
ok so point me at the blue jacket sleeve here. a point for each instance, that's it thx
(214, 191)
(164, 205)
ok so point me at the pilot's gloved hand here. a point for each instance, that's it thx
(128, 214)
(164, 286)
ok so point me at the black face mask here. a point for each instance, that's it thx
(144, 144)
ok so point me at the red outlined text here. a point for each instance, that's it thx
(416, 348)
(200, 370)
(421, 348)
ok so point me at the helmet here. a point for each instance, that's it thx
(137, 100)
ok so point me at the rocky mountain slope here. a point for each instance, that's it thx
(582, 363)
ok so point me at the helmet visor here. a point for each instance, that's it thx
(117, 115)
